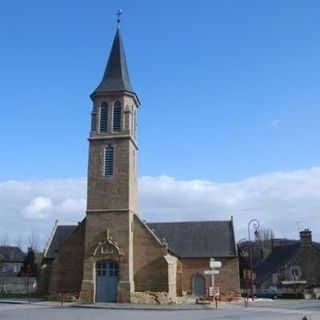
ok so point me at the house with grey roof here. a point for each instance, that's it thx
(11, 260)
(290, 267)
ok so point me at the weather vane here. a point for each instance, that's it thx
(118, 14)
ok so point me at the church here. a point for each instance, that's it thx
(113, 255)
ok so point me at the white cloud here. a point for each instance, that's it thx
(71, 206)
(33, 206)
(280, 200)
(38, 208)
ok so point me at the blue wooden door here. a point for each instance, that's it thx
(199, 285)
(107, 275)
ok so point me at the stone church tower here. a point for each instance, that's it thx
(112, 182)
(113, 255)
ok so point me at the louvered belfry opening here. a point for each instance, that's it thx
(117, 116)
(108, 161)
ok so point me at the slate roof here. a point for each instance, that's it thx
(277, 259)
(185, 239)
(61, 233)
(11, 254)
(197, 239)
(116, 75)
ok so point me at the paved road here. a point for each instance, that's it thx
(282, 310)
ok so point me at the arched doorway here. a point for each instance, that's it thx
(107, 275)
(199, 285)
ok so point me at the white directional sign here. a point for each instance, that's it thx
(215, 264)
(211, 272)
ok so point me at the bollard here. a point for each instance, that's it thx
(246, 301)
(216, 298)
(61, 297)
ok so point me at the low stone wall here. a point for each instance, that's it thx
(64, 297)
(149, 297)
(17, 285)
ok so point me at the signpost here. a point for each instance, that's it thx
(211, 272)
(214, 291)
(215, 264)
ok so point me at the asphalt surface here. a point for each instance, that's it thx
(266, 310)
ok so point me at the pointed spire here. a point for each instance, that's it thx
(116, 75)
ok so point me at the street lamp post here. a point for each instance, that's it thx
(244, 274)
(255, 225)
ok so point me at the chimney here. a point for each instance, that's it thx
(306, 238)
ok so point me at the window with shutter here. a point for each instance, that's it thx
(104, 117)
(108, 161)
(117, 116)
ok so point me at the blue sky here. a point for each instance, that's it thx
(229, 89)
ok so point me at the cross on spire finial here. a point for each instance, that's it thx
(118, 14)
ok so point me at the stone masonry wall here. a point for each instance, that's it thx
(191, 267)
(118, 225)
(43, 277)
(150, 266)
(120, 190)
(109, 193)
(66, 272)
(111, 200)
(309, 259)
(179, 284)
(228, 279)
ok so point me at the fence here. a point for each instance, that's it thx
(18, 284)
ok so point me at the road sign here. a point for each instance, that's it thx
(215, 264)
(211, 272)
(214, 291)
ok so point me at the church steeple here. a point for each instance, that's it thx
(116, 75)
(112, 181)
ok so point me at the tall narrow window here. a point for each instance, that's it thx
(93, 121)
(104, 117)
(117, 116)
(108, 161)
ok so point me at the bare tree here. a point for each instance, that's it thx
(19, 241)
(264, 234)
(4, 239)
(33, 241)
(264, 242)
